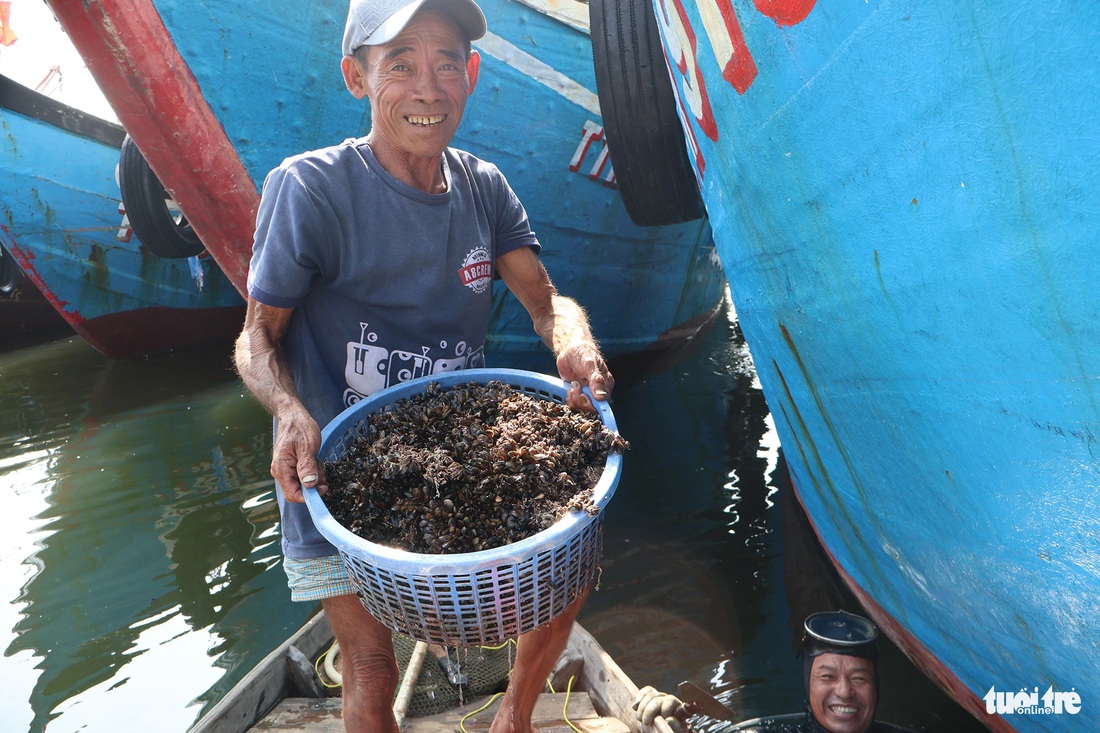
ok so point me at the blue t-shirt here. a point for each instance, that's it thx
(387, 282)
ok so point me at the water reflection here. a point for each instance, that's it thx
(138, 480)
(139, 562)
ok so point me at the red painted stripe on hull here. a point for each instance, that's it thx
(135, 62)
(26, 258)
(919, 654)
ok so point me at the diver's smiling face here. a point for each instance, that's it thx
(842, 692)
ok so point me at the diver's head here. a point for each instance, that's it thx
(840, 666)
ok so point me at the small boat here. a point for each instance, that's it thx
(904, 197)
(214, 110)
(598, 698)
(62, 225)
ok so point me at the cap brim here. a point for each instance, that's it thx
(467, 14)
(393, 25)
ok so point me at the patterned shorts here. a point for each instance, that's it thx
(316, 578)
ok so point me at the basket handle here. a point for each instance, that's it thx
(602, 408)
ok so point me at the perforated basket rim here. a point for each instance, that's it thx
(414, 563)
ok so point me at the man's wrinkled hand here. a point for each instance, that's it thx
(294, 457)
(651, 703)
(583, 366)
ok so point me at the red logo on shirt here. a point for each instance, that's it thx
(476, 272)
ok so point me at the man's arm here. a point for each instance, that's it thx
(264, 370)
(561, 323)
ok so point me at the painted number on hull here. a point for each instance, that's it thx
(601, 169)
(733, 54)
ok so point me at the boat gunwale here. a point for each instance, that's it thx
(25, 101)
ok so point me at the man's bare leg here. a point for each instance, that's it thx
(367, 665)
(536, 653)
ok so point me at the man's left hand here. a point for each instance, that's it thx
(583, 366)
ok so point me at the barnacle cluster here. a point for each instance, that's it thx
(468, 468)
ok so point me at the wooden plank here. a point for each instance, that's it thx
(549, 716)
(548, 708)
(304, 715)
(265, 685)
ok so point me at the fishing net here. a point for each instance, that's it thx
(472, 672)
(449, 676)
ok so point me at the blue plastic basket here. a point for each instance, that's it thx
(473, 598)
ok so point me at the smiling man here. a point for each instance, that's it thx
(840, 672)
(842, 693)
(840, 667)
(374, 262)
(840, 664)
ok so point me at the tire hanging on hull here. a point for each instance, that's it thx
(644, 136)
(164, 233)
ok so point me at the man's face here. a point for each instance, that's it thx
(418, 85)
(842, 692)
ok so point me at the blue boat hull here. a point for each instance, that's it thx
(274, 89)
(905, 199)
(60, 220)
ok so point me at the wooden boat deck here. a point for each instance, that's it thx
(312, 715)
(598, 700)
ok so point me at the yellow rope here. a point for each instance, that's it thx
(317, 668)
(565, 708)
(549, 684)
(462, 722)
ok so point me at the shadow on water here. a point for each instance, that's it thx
(26, 317)
(139, 556)
(710, 564)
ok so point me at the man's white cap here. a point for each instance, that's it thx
(374, 22)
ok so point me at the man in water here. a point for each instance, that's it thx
(840, 673)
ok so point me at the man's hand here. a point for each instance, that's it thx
(652, 702)
(562, 324)
(263, 368)
(582, 366)
(294, 456)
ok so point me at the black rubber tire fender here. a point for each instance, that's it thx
(644, 137)
(165, 234)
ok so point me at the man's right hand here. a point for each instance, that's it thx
(294, 456)
(263, 368)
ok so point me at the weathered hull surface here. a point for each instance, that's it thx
(231, 91)
(905, 199)
(59, 219)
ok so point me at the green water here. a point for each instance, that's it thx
(139, 561)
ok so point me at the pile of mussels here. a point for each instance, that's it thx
(469, 468)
